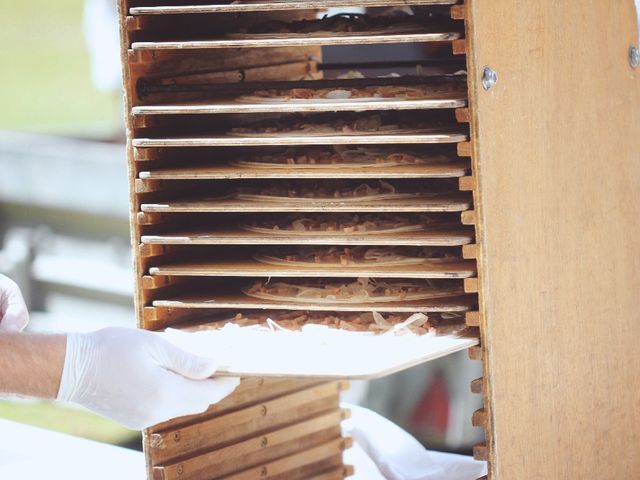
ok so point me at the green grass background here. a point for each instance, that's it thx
(45, 87)
(45, 82)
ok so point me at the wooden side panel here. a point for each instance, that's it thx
(557, 158)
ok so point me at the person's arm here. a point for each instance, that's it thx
(31, 364)
(132, 376)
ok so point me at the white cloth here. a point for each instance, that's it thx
(100, 25)
(399, 456)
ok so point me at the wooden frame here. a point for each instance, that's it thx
(549, 155)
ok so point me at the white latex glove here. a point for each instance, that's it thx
(137, 378)
(14, 315)
(399, 456)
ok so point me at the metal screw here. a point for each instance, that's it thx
(264, 442)
(264, 472)
(489, 78)
(634, 57)
(180, 469)
(176, 437)
(263, 410)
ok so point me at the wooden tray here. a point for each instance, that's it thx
(299, 41)
(461, 303)
(429, 137)
(319, 352)
(453, 169)
(253, 268)
(449, 100)
(259, 6)
(427, 238)
(440, 203)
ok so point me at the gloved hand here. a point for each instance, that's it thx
(399, 456)
(14, 315)
(137, 378)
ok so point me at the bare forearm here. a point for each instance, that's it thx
(31, 364)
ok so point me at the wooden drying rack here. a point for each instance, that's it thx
(542, 193)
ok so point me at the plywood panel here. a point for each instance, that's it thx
(557, 160)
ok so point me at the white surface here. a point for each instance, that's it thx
(399, 456)
(29, 453)
(316, 351)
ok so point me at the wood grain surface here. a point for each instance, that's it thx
(440, 238)
(253, 268)
(223, 172)
(557, 161)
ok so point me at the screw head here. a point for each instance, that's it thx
(489, 78)
(634, 57)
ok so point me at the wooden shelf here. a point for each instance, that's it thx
(439, 203)
(427, 238)
(436, 101)
(453, 169)
(439, 137)
(460, 303)
(277, 5)
(253, 268)
(299, 41)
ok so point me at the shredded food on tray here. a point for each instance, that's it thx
(418, 323)
(344, 23)
(321, 224)
(340, 156)
(285, 191)
(359, 255)
(362, 290)
(365, 124)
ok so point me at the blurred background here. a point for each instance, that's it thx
(64, 234)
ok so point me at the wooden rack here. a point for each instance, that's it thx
(187, 94)
(540, 217)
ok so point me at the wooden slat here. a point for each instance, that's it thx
(230, 141)
(256, 450)
(458, 12)
(466, 184)
(227, 429)
(435, 203)
(477, 385)
(463, 115)
(147, 251)
(480, 452)
(479, 418)
(147, 186)
(299, 466)
(251, 391)
(300, 41)
(450, 100)
(277, 5)
(152, 283)
(241, 237)
(472, 319)
(475, 353)
(448, 304)
(468, 217)
(338, 473)
(471, 285)
(252, 268)
(459, 46)
(223, 172)
(464, 149)
(470, 251)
